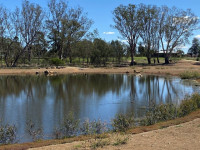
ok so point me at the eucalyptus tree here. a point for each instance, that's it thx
(75, 25)
(57, 12)
(66, 26)
(30, 23)
(24, 24)
(148, 23)
(176, 26)
(126, 22)
(3, 29)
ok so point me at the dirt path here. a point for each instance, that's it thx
(172, 69)
(185, 136)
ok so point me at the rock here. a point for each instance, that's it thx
(46, 72)
(127, 72)
(136, 71)
(36, 72)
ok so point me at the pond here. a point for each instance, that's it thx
(46, 99)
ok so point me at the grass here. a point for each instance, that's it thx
(190, 75)
(120, 140)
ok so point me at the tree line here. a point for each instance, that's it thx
(63, 32)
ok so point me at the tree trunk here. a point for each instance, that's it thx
(158, 61)
(132, 49)
(166, 59)
(149, 60)
(29, 54)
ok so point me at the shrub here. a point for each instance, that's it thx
(7, 134)
(35, 133)
(57, 62)
(159, 113)
(187, 106)
(94, 127)
(68, 128)
(122, 122)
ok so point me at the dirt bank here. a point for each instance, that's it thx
(171, 69)
(185, 136)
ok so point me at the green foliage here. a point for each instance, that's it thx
(190, 75)
(56, 62)
(195, 49)
(122, 122)
(94, 127)
(69, 127)
(7, 133)
(166, 112)
(189, 105)
(159, 113)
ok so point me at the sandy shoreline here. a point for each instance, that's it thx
(172, 69)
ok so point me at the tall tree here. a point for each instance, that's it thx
(176, 26)
(66, 26)
(126, 22)
(31, 19)
(58, 11)
(74, 25)
(148, 23)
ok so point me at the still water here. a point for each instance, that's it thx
(45, 100)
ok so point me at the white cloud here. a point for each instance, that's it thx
(109, 33)
(197, 36)
(183, 47)
(123, 41)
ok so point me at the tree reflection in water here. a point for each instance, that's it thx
(46, 100)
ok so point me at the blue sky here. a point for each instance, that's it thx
(100, 11)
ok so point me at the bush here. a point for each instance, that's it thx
(68, 128)
(122, 122)
(159, 113)
(57, 62)
(7, 134)
(95, 127)
(189, 105)
(35, 133)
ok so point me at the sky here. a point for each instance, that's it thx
(100, 11)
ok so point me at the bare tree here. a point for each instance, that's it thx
(22, 30)
(126, 22)
(176, 26)
(31, 20)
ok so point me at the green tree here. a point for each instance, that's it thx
(118, 50)
(100, 52)
(148, 23)
(195, 48)
(126, 22)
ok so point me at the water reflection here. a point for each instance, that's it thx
(45, 100)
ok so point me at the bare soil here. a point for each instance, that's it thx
(185, 136)
(171, 69)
